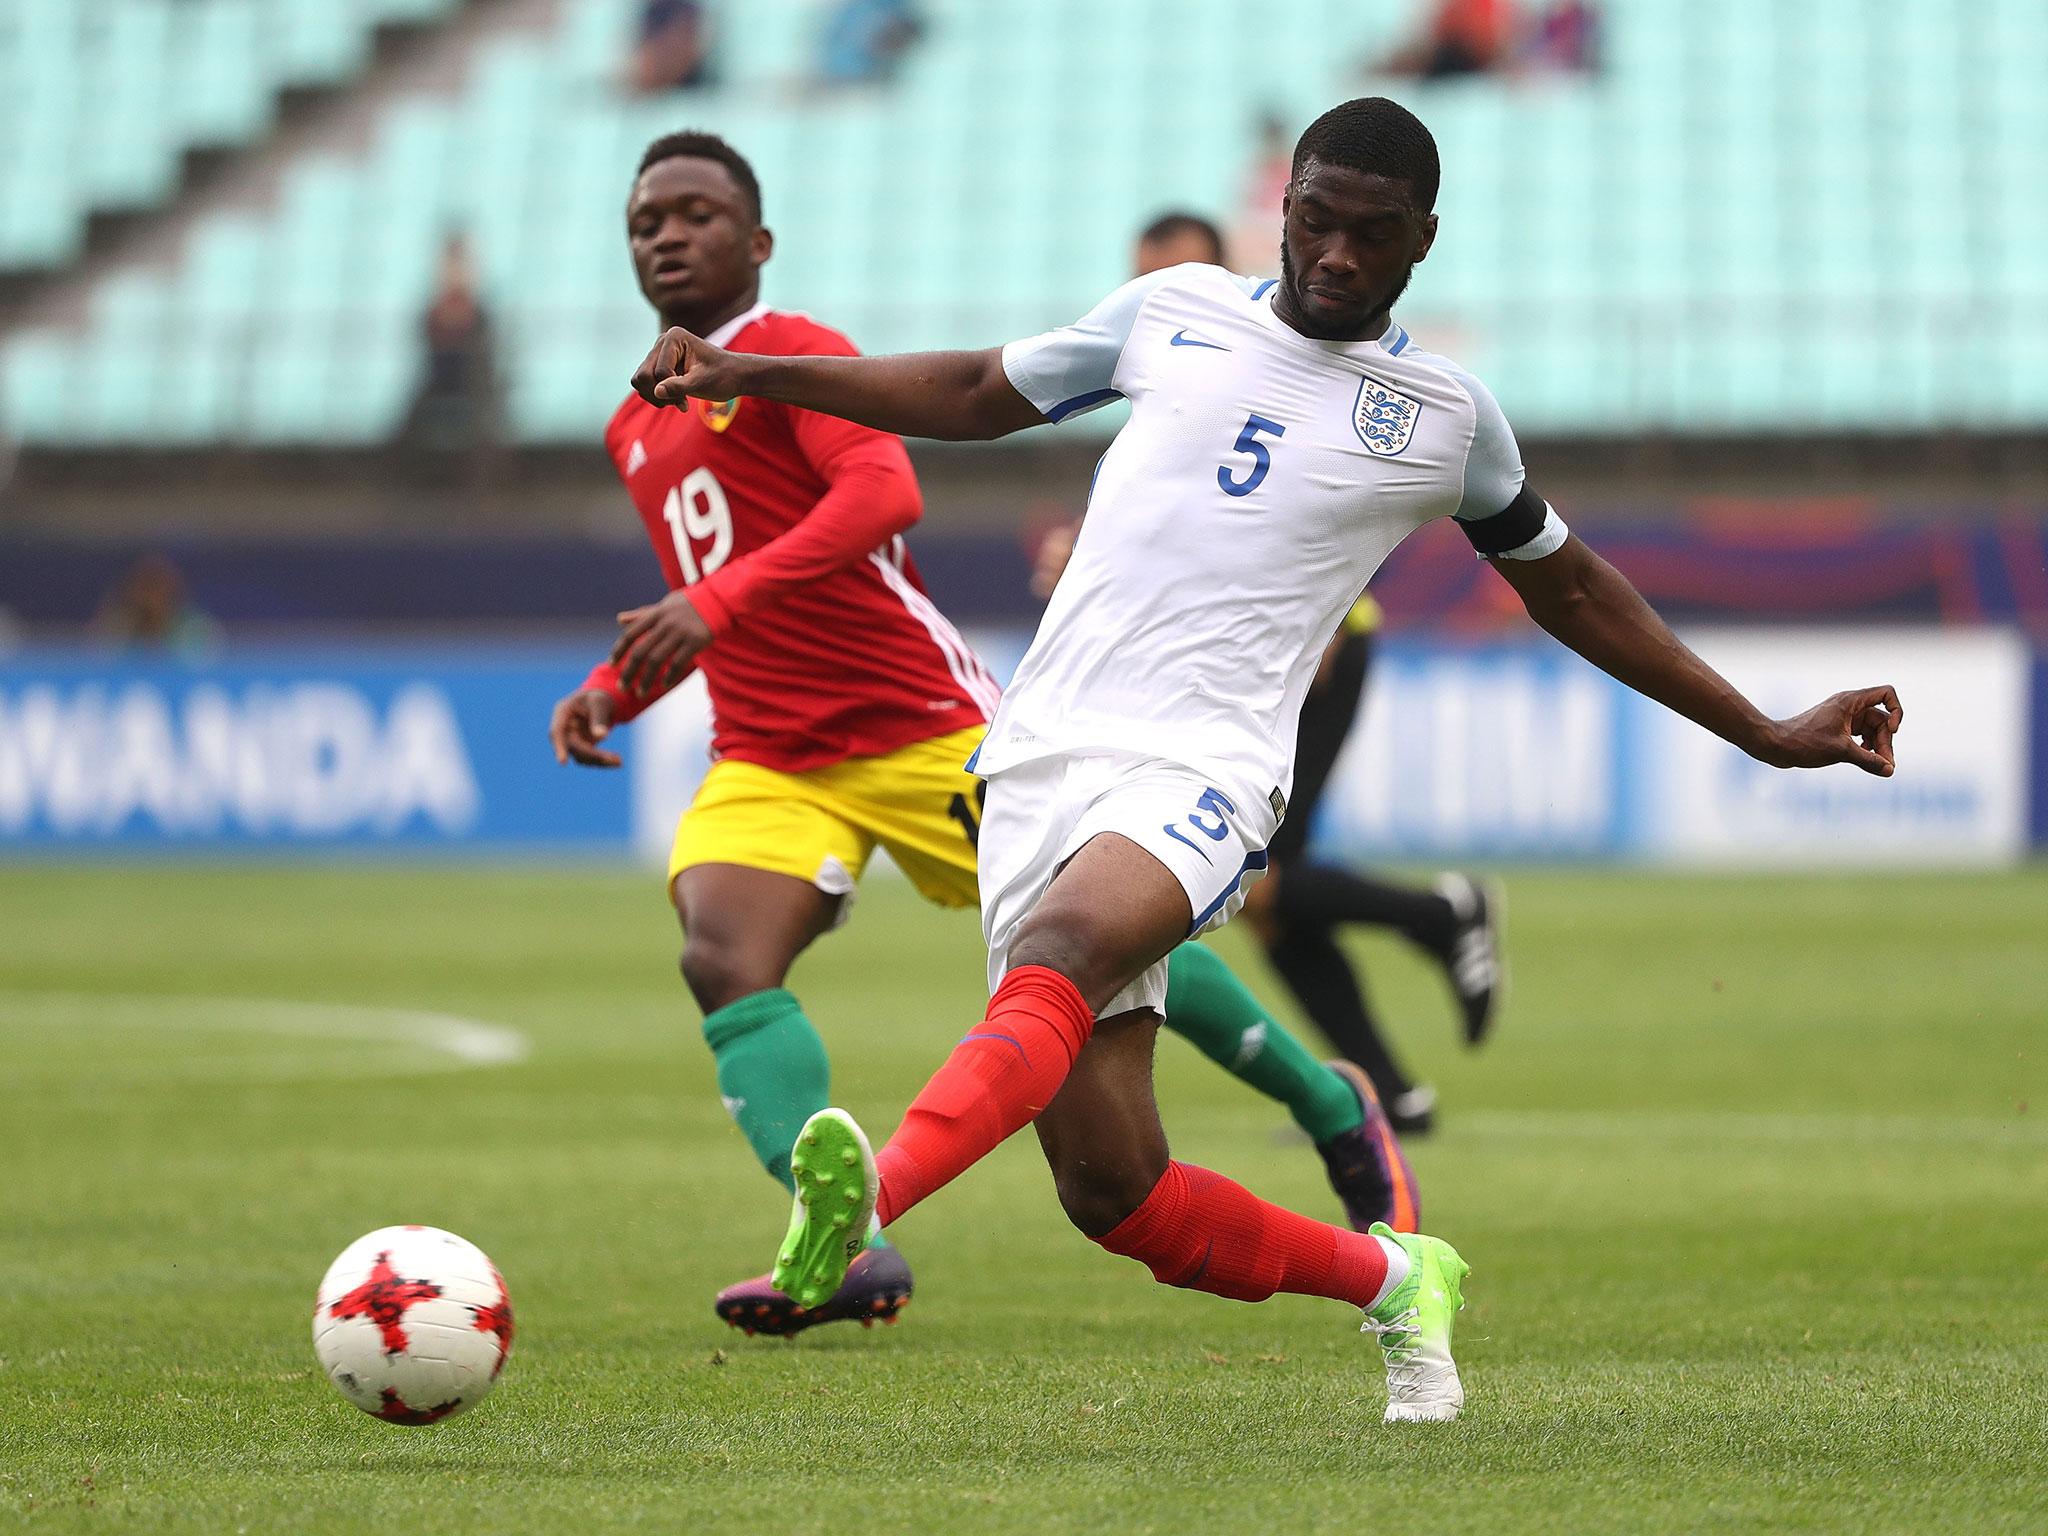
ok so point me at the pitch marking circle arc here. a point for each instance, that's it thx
(416, 1042)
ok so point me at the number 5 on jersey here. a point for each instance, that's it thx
(1262, 459)
(695, 510)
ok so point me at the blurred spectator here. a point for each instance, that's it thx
(1169, 240)
(148, 609)
(674, 50)
(1463, 37)
(457, 407)
(1253, 247)
(866, 39)
(1176, 237)
(1565, 39)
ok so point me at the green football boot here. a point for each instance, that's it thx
(836, 1186)
(1414, 1329)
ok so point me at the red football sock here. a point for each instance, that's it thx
(1203, 1232)
(995, 1083)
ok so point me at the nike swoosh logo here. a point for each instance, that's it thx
(1010, 1040)
(1183, 339)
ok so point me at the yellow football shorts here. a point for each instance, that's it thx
(821, 826)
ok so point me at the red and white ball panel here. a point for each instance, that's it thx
(412, 1324)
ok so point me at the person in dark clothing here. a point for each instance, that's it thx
(1297, 910)
(673, 50)
(455, 410)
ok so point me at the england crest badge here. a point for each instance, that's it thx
(1385, 418)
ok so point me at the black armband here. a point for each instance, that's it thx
(1511, 527)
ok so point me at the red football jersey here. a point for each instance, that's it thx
(785, 526)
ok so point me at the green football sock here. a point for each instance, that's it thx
(772, 1073)
(1210, 1007)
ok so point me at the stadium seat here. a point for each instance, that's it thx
(186, 74)
(1709, 235)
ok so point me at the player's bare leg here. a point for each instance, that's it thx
(1111, 912)
(1101, 1134)
(742, 929)
(1067, 961)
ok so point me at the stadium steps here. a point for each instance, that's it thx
(332, 76)
(1754, 221)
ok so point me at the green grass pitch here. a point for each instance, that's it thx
(1754, 1182)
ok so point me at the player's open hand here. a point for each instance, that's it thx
(1854, 727)
(683, 365)
(583, 719)
(658, 644)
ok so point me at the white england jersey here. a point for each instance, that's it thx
(1262, 478)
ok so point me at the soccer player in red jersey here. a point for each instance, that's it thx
(845, 707)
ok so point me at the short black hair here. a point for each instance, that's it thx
(706, 146)
(1179, 222)
(1378, 137)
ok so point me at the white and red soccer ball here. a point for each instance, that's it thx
(413, 1324)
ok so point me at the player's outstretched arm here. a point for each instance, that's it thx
(958, 396)
(1591, 607)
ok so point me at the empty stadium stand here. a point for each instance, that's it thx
(1820, 218)
(100, 99)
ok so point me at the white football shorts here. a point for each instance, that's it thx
(1212, 835)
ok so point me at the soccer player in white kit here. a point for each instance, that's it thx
(1285, 435)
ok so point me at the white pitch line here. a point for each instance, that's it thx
(469, 1042)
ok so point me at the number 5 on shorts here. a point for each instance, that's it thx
(1212, 800)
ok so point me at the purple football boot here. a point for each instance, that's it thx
(1367, 1168)
(876, 1289)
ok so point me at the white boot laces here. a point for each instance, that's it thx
(1473, 962)
(1400, 1340)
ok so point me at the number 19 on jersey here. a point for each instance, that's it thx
(697, 510)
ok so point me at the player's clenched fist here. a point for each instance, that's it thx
(682, 365)
(581, 721)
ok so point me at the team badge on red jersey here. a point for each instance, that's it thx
(717, 414)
